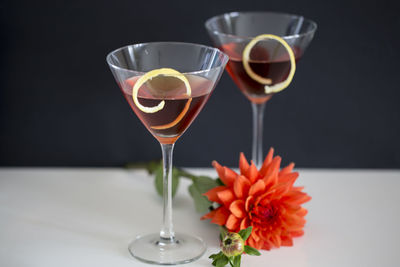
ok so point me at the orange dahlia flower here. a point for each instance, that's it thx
(265, 199)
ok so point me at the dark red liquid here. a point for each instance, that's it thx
(174, 105)
(277, 69)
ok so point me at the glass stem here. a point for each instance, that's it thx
(167, 231)
(258, 115)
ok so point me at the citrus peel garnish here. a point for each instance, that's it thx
(150, 75)
(266, 81)
(178, 119)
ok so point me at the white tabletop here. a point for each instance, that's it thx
(87, 217)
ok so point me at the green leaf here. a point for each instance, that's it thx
(245, 233)
(222, 261)
(204, 183)
(175, 181)
(201, 203)
(237, 260)
(201, 184)
(219, 182)
(216, 256)
(159, 183)
(222, 232)
(251, 251)
(150, 166)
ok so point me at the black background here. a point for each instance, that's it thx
(60, 106)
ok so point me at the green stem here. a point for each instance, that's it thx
(185, 174)
(229, 259)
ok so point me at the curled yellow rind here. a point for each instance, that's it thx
(177, 120)
(150, 75)
(266, 81)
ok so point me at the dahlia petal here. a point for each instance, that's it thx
(268, 244)
(220, 216)
(244, 223)
(301, 221)
(293, 218)
(289, 178)
(243, 164)
(212, 193)
(264, 199)
(296, 197)
(252, 173)
(262, 235)
(295, 228)
(302, 212)
(257, 188)
(232, 223)
(209, 215)
(265, 235)
(276, 240)
(293, 223)
(255, 244)
(237, 208)
(260, 244)
(297, 233)
(229, 177)
(255, 235)
(298, 188)
(271, 179)
(267, 161)
(265, 246)
(220, 170)
(226, 197)
(287, 241)
(248, 203)
(280, 190)
(272, 167)
(278, 232)
(289, 208)
(287, 169)
(251, 242)
(241, 186)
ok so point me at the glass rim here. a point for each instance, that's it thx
(237, 13)
(222, 65)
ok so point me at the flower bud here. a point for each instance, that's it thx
(232, 244)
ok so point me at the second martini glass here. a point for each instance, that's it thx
(167, 84)
(262, 48)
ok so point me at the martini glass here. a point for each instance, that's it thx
(267, 58)
(182, 78)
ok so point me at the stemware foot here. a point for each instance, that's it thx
(155, 250)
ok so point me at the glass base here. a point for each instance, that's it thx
(152, 249)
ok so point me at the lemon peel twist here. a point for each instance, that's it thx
(266, 81)
(152, 74)
(177, 120)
